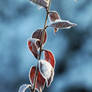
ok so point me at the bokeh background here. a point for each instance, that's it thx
(72, 48)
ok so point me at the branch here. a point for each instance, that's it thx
(42, 39)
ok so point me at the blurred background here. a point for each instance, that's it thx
(72, 48)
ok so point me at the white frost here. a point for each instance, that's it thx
(24, 87)
(45, 69)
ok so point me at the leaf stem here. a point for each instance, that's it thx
(45, 26)
(42, 39)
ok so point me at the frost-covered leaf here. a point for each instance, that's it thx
(47, 71)
(49, 57)
(62, 24)
(38, 34)
(49, 81)
(24, 87)
(40, 83)
(43, 3)
(53, 16)
(57, 23)
(32, 44)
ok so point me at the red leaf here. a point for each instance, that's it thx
(33, 46)
(62, 24)
(49, 57)
(47, 71)
(43, 3)
(53, 16)
(38, 34)
(40, 83)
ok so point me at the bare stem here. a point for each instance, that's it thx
(42, 39)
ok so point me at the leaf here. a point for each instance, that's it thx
(32, 44)
(49, 57)
(38, 34)
(47, 71)
(53, 16)
(62, 24)
(57, 23)
(24, 87)
(43, 3)
(40, 80)
(48, 83)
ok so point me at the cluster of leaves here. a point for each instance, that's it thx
(43, 73)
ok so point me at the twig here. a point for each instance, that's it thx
(42, 39)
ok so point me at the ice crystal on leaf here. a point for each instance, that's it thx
(47, 71)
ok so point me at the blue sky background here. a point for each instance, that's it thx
(72, 48)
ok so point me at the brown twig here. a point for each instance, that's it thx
(42, 39)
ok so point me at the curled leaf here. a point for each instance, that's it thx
(49, 57)
(62, 24)
(43, 3)
(47, 71)
(32, 44)
(53, 16)
(49, 81)
(40, 83)
(24, 87)
(38, 34)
